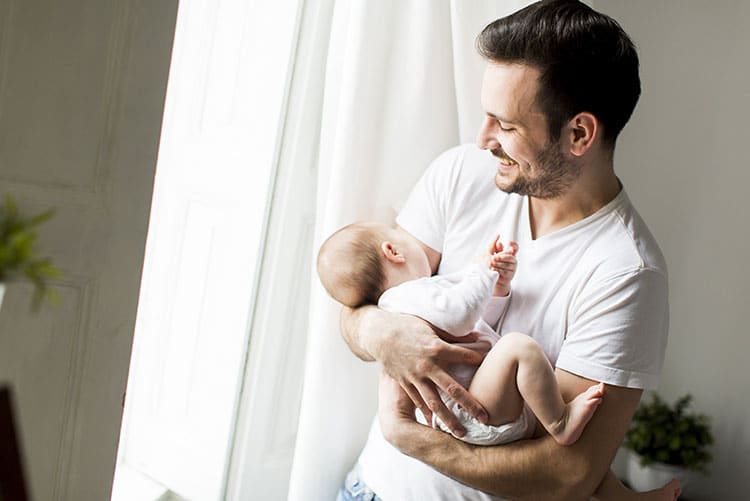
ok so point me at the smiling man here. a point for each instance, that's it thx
(591, 285)
(513, 123)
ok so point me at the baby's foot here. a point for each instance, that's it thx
(669, 492)
(577, 414)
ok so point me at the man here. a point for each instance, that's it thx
(591, 285)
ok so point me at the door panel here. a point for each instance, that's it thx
(82, 87)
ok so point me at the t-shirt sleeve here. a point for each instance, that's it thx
(618, 330)
(424, 214)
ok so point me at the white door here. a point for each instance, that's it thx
(82, 86)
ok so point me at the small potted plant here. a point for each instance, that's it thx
(19, 257)
(667, 442)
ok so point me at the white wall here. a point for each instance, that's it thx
(684, 160)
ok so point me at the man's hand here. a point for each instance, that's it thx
(414, 356)
(394, 405)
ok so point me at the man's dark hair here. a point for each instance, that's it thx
(586, 61)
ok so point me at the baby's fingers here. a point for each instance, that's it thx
(504, 262)
(496, 245)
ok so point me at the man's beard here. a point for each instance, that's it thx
(554, 175)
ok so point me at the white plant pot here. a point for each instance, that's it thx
(644, 478)
(2, 293)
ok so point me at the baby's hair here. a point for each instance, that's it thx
(350, 264)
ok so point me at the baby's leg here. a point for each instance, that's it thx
(611, 489)
(517, 370)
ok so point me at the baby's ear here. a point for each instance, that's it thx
(391, 253)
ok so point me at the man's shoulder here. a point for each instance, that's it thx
(627, 244)
(645, 245)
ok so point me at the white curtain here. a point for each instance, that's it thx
(402, 85)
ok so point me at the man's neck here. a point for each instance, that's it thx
(589, 194)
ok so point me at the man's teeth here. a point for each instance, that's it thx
(507, 162)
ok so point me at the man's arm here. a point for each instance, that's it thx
(530, 469)
(412, 354)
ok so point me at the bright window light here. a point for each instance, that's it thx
(225, 102)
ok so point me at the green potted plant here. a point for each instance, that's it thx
(667, 442)
(19, 257)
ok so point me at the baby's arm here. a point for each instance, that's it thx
(502, 259)
(452, 303)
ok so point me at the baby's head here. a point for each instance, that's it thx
(360, 261)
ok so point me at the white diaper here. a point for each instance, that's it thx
(482, 434)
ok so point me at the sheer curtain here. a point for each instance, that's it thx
(402, 85)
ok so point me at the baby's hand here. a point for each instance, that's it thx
(503, 260)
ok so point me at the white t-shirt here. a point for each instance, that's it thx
(592, 294)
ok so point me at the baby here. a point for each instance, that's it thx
(371, 263)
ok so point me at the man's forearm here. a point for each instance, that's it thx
(530, 469)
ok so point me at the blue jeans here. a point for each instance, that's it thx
(355, 490)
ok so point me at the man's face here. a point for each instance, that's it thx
(515, 132)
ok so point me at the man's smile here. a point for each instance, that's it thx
(504, 159)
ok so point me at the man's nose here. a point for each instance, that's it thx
(487, 137)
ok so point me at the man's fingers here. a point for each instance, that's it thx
(461, 395)
(460, 354)
(437, 406)
(418, 401)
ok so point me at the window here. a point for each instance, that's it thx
(223, 116)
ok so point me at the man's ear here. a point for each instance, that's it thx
(391, 253)
(583, 132)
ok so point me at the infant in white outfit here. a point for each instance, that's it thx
(370, 263)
